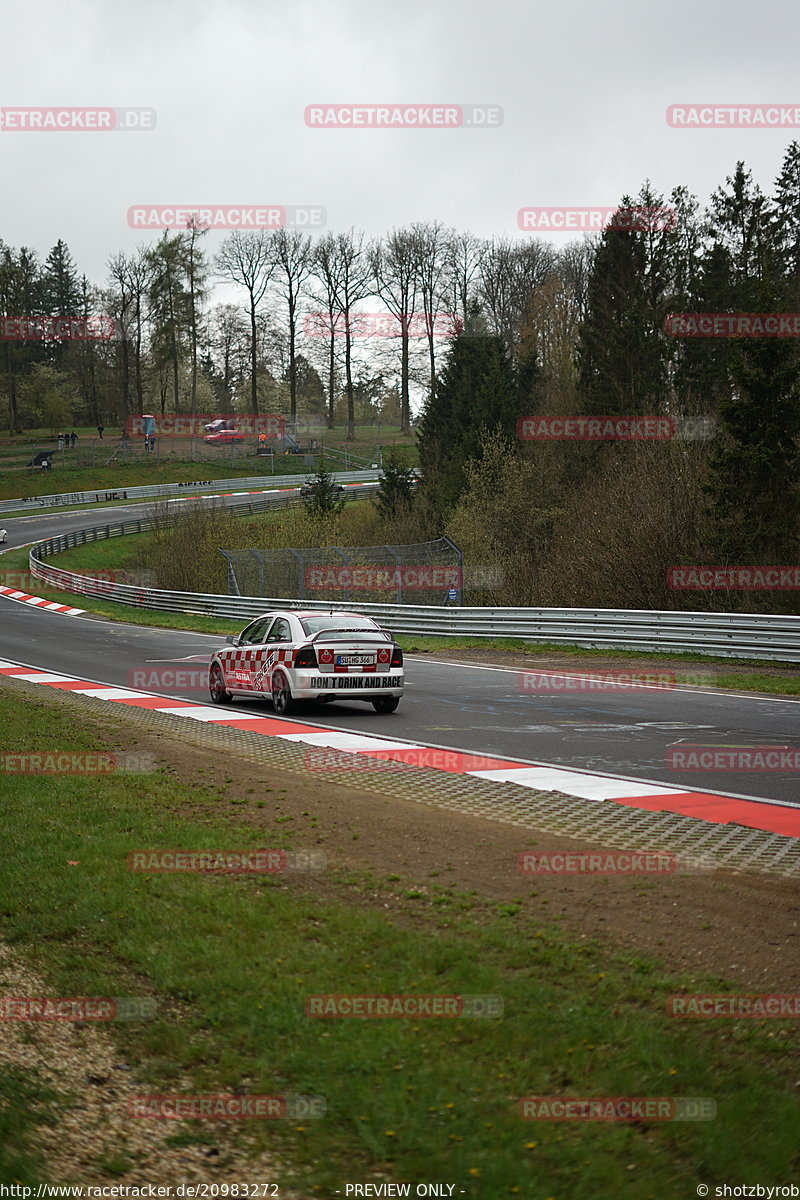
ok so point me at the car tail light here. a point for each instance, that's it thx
(397, 657)
(305, 657)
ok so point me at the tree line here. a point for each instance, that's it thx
(298, 343)
(601, 523)
(536, 330)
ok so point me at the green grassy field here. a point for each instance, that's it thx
(174, 463)
(119, 476)
(230, 961)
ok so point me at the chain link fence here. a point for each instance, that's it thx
(422, 573)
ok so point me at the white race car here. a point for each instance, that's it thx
(3, 535)
(291, 656)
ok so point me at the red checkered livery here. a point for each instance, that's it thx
(250, 666)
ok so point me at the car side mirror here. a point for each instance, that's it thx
(232, 641)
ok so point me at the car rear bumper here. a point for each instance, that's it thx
(311, 685)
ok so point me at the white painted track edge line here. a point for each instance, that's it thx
(653, 687)
(455, 749)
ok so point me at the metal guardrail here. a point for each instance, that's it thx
(151, 491)
(725, 635)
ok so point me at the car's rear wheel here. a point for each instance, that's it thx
(216, 685)
(282, 701)
(386, 704)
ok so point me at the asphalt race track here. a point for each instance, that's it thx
(625, 733)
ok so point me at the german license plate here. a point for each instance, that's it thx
(355, 660)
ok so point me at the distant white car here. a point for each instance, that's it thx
(3, 535)
(218, 426)
(291, 656)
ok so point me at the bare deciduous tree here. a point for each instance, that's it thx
(342, 262)
(167, 297)
(463, 253)
(395, 266)
(431, 242)
(327, 269)
(229, 342)
(510, 273)
(197, 276)
(293, 259)
(119, 303)
(246, 259)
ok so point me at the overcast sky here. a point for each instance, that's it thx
(584, 88)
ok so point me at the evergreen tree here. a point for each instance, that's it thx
(310, 390)
(739, 222)
(169, 306)
(61, 285)
(755, 472)
(703, 374)
(785, 215)
(323, 493)
(753, 485)
(622, 350)
(477, 393)
(754, 488)
(20, 295)
(396, 491)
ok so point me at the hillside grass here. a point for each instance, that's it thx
(230, 960)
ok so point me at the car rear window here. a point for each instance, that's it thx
(341, 625)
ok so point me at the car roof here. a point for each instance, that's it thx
(313, 612)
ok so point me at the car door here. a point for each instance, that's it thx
(275, 649)
(240, 662)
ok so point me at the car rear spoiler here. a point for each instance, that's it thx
(382, 632)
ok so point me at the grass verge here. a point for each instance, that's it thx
(25, 1103)
(123, 475)
(230, 961)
